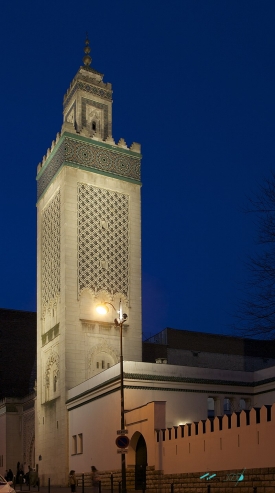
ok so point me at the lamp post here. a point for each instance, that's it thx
(119, 321)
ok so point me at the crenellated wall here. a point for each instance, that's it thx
(241, 440)
(134, 147)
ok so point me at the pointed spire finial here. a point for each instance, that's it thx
(87, 59)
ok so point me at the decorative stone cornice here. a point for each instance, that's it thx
(78, 151)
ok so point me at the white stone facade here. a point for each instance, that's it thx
(89, 251)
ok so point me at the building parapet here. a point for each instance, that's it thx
(226, 422)
(68, 127)
(79, 151)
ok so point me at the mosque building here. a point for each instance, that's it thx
(184, 393)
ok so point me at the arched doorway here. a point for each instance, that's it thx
(141, 463)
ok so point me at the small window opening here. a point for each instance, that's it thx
(74, 445)
(242, 405)
(210, 407)
(94, 126)
(54, 383)
(227, 406)
(80, 443)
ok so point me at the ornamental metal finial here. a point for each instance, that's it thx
(87, 59)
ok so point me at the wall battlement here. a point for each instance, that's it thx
(121, 144)
(236, 420)
(237, 441)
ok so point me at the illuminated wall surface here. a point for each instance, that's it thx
(170, 410)
(88, 252)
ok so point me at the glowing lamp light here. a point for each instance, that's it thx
(102, 309)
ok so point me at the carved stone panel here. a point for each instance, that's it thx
(51, 252)
(103, 240)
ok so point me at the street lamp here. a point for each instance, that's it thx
(119, 321)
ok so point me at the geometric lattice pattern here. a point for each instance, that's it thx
(76, 151)
(103, 240)
(51, 251)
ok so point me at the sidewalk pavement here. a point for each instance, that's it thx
(60, 489)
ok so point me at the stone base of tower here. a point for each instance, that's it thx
(52, 443)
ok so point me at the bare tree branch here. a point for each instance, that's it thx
(257, 310)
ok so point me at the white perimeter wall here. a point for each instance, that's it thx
(94, 412)
(246, 446)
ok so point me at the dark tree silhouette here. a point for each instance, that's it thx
(257, 310)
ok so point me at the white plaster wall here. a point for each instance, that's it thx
(98, 422)
(94, 408)
(247, 446)
(143, 421)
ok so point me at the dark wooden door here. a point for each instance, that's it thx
(141, 463)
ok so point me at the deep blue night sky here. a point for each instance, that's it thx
(194, 83)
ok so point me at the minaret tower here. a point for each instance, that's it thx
(89, 251)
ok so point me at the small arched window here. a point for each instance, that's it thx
(94, 126)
